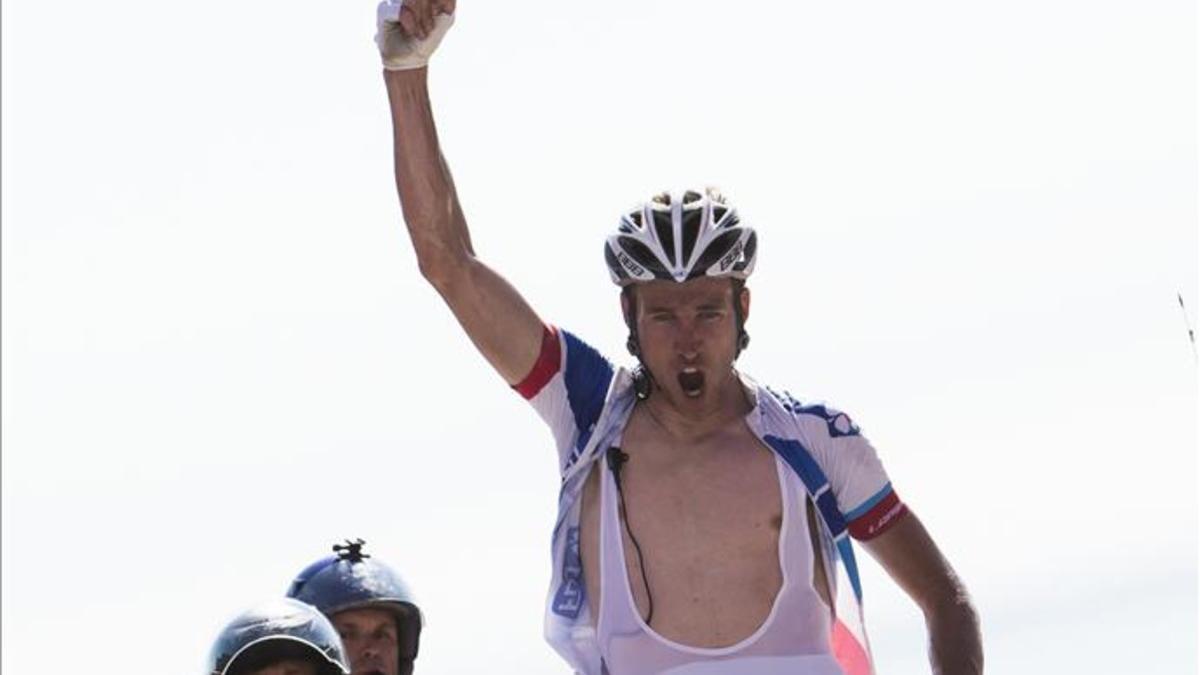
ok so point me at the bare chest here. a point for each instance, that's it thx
(707, 521)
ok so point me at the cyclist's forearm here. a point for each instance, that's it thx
(955, 639)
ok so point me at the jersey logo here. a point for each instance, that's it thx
(838, 422)
(568, 599)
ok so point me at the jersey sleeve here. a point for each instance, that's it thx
(567, 387)
(856, 475)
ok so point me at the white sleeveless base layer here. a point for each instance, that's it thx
(794, 638)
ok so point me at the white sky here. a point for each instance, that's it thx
(218, 356)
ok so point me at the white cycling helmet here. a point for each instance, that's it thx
(679, 237)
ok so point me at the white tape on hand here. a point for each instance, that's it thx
(398, 50)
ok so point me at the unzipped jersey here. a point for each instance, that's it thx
(587, 401)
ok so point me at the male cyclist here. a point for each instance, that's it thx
(705, 519)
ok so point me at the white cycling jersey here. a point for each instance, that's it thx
(586, 401)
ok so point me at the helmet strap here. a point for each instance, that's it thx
(631, 343)
(630, 307)
(743, 338)
(643, 381)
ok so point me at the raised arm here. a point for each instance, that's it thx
(496, 318)
(912, 559)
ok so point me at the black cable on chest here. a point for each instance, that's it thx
(616, 458)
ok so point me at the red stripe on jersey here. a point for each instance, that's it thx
(889, 511)
(544, 368)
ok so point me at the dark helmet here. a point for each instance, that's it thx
(352, 580)
(273, 631)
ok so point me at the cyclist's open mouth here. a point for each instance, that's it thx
(691, 381)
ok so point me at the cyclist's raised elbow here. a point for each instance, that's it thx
(442, 266)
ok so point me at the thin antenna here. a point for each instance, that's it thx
(1188, 321)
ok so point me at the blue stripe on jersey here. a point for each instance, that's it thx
(802, 462)
(587, 378)
(827, 504)
(847, 551)
(870, 503)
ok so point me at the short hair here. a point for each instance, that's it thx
(713, 193)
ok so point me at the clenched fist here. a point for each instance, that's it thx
(408, 31)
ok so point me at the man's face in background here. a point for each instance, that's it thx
(372, 640)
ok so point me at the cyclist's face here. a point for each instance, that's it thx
(688, 334)
(371, 640)
(288, 667)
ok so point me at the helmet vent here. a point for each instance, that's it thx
(643, 256)
(721, 246)
(691, 232)
(748, 252)
(666, 235)
(351, 551)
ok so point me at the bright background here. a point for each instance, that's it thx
(219, 358)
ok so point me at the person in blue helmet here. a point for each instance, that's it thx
(370, 606)
(278, 637)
